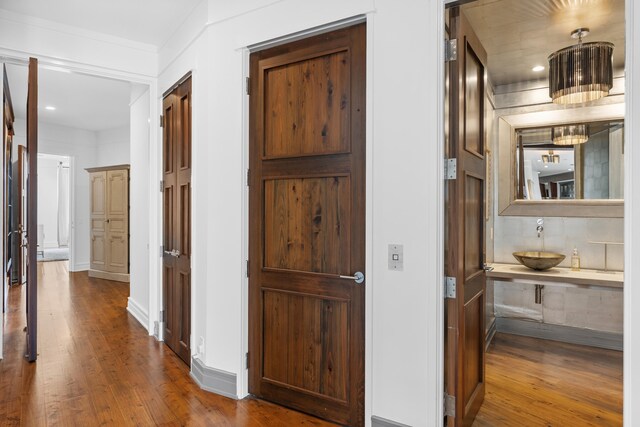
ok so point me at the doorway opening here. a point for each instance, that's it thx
(54, 189)
(87, 120)
(546, 328)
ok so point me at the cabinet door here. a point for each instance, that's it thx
(117, 205)
(98, 220)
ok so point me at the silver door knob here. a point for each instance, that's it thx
(174, 253)
(358, 277)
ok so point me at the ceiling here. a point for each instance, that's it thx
(81, 101)
(520, 34)
(145, 21)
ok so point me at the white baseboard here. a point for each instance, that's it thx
(79, 266)
(214, 380)
(138, 312)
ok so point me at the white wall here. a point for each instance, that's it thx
(403, 379)
(139, 288)
(81, 146)
(48, 200)
(114, 146)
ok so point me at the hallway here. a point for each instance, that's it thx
(98, 366)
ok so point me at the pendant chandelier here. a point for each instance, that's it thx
(582, 72)
(550, 158)
(570, 135)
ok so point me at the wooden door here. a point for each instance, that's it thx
(307, 225)
(23, 212)
(32, 206)
(176, 278)
(117, 225)
(98, 182)
(465, 243)
(7, 136)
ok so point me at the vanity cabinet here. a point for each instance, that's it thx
(109, 216)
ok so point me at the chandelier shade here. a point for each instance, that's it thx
(570, 135)
(581, 73)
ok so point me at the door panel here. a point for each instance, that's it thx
(177, 220)
(465, 243)
(98, 182)
(292, 241)
(307, 142)
(117, 187)
(315, 113)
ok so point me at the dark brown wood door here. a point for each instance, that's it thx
(176, 278)
(465, 243)
(32, 206)
(307, 225)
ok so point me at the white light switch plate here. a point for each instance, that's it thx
(396, 257)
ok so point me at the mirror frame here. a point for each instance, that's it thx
(508, 204)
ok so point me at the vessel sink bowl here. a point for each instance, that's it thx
(539, 260)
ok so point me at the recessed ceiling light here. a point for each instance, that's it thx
(50, 108)
(538, 68)
(570, 169)
(546, 166)
(539, 160)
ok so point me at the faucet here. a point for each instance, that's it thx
(540, 227)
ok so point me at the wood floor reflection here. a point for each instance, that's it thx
(98, 366)
(533, 382)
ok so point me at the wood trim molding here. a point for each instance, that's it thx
(569, 334)
(214, 380)
(108, 168)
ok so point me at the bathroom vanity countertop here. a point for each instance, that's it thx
(558, 275)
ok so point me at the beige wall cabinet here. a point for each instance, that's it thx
(109, 222)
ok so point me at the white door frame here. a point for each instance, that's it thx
(155, 144)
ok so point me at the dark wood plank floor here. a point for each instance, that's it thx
(98, 366)
(533, 382)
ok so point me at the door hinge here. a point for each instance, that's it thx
(450, 168)
(248, 85)
(450, 50)
(162, 316)
(247, 268)
(162, 185)
(161, 121)
(449, 287)
(161, 251)
(449, 405)
(246, 360)
(248, 177)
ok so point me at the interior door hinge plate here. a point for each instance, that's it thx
(449, 287)
(449, 405)
(246, 363)
(161, 121)
(450, 50)
(161, 185)
(247, 268)
(450, 168)
(248, 177)
(248, 85)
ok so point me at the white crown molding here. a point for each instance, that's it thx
(75, 31)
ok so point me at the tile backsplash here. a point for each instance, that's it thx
(561, 235)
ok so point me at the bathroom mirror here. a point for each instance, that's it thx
(570, 161)
(539, 178)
